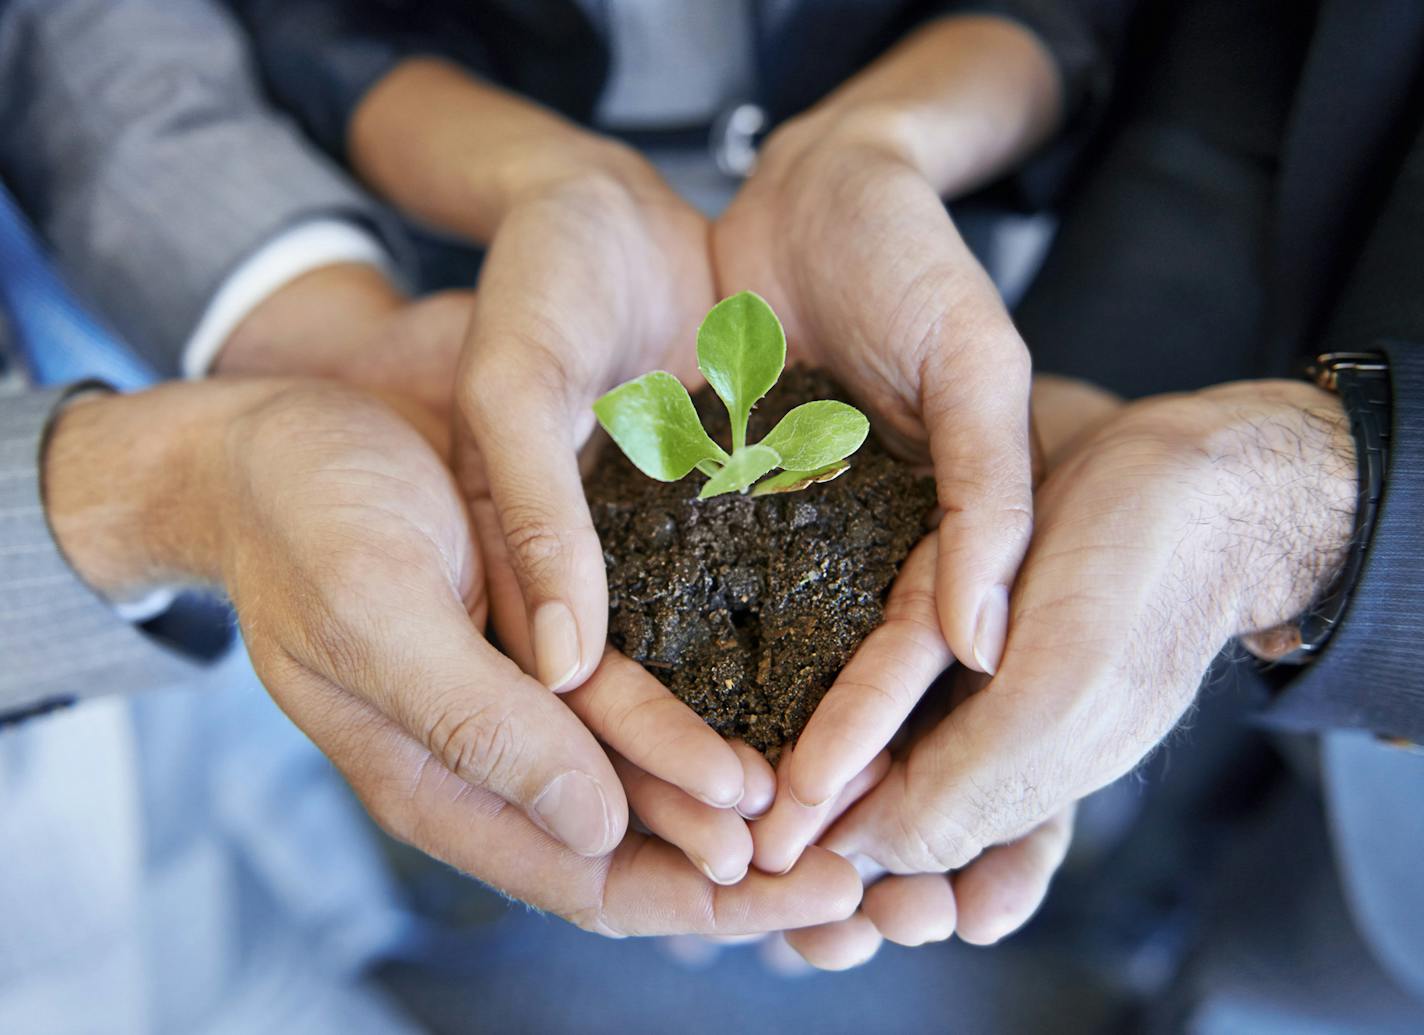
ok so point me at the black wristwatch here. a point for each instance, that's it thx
(1361, 380)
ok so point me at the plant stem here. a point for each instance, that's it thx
(739, 430)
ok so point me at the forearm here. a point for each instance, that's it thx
(962, 100)
(459, 153)
(312, 326)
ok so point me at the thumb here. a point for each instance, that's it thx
(975, 403)
(426, 667)
(524, 466)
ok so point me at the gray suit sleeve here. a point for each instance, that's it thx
(135, 135)
(59, 641)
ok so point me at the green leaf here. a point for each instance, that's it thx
(741, 349)
(795, 481)
(816, 434)
(653, 421)
(745, 467)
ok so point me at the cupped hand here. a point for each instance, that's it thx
(587, 283)
(348, 557)
(854, 249)
(1181, 522)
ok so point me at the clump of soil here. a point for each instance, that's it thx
(748, 607)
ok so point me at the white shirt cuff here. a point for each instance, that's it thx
(150, 605)
(306, 247)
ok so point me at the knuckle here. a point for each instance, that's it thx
(391, 804)
(536, 547)
(596, 916)
(480, 746)
(934, 845)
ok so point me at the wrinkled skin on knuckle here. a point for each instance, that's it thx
(538, 550)
(391, 803)
(927, 836)
(507, 364)
(480, 745)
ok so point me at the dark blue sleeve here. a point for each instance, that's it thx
(1370, 674)
(318, 58)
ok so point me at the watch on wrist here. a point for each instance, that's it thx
(1361, 380)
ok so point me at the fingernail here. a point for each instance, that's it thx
(713, 876)
(556, 645)
(727, 801)
(991, 628)
(791, 793)
(573, 809)
(751, 807)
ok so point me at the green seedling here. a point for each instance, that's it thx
(741, 350)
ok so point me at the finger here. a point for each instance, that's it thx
(716, 840)
(758, 781)
(999, 891)
(527, 465)
(784, 832)
(837, 946)
(974, 397)
(781, 959)
(416, 656)
(875, 692)
(911, 910)
(645, 887)
(626, 707)
(506, 599)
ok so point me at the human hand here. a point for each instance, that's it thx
(852, 245)
(343, 543)
(1180, 523)
(589, 281)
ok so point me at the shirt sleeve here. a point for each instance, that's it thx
(60, 640)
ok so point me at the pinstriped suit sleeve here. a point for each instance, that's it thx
(136, 138)
(58, 639)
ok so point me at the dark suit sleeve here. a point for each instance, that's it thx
(318, 58)
(1371, 673)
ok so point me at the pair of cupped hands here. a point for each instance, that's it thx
(383, 534)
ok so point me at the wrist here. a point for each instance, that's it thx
(462, 153)
(313, 325)
(959, 101)
(135, 486)
(1288, 476)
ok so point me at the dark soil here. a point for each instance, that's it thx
(748, 607)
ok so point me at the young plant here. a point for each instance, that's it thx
(741, 350)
